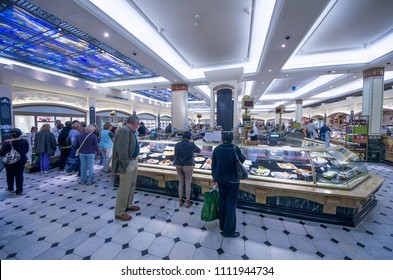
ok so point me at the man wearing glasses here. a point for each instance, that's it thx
(125, 164)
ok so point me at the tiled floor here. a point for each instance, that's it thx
(59, 219)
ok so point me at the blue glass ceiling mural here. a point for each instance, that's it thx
(163, 95)
(31, 35)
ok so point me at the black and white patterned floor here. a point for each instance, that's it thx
(58, 219)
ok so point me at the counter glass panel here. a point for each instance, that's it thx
(309, 165)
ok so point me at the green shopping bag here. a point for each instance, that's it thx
(210, 206)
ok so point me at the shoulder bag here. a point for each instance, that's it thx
(240, 169)
(12, 156)
(77, 150)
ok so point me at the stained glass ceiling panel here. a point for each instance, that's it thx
(163, 95)
(31, 35)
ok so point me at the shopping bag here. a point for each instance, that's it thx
(209, 210)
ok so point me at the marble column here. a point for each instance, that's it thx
(179, 106)
(372, 106)
(372, 102)
(212, 107)
(299, 110)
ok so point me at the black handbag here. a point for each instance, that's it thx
(240, 169)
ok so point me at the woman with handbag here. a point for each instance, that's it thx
(14, 171)
(86, 145)
(225, 175)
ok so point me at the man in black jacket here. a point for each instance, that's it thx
(65, 149)
(184, 162)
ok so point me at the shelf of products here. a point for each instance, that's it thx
(357, 136)
(388, 153)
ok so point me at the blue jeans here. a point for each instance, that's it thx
(74, 163)
(87, 168)
(44, 161)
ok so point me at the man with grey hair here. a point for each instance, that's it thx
(125, 164)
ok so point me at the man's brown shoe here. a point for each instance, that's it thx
(133, 208)
(124, 217)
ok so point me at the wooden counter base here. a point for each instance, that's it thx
(346, 207)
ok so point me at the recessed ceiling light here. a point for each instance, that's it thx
(106, 34)
(283, 46)
(270, 70)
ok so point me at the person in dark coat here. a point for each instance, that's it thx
(64, 148)
(322, 132)
(184, 162)
(45, 144)
(168, 129)
(225, 176)
(14, 172)
(142, 130)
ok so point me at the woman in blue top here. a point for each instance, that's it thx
(89, 150)
(106, 145)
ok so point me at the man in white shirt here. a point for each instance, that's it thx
(310, 127)
(253, 133)
(55, 130)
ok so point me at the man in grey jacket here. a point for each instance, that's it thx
(125, 164)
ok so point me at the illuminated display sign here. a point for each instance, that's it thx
(247, 102)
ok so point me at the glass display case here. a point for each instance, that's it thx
(307, 182)
(310, 165)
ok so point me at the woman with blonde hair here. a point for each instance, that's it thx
(89, 150)
(106, 145)
(45, 144)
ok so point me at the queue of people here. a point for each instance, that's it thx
(81, 145)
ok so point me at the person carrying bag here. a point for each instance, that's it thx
(225, 163)
(84, 140)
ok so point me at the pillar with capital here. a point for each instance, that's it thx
(372, 106)
(179, 106)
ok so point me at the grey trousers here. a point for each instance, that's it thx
(185, 178)
(126, 189)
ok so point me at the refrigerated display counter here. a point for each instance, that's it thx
(309, 182)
